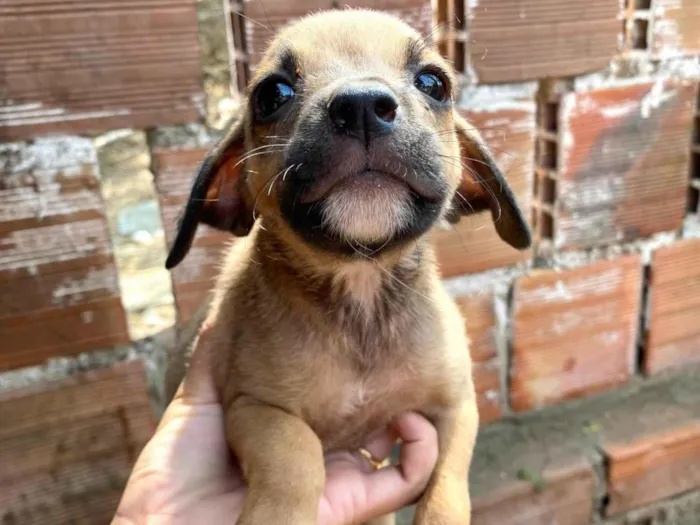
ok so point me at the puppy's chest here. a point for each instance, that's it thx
(354, 406)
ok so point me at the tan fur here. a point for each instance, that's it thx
(314, 353)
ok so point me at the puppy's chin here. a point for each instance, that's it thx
(369, 210)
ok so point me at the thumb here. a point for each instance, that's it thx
(394, 487)
(197, 388)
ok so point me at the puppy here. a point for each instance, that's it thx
(329, 318)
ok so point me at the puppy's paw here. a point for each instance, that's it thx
(443, 513)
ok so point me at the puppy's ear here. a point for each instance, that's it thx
(217, 197)
(483, 187)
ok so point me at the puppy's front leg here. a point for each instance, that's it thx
(446, 500)
(282, 461)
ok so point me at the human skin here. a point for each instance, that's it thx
(186, 473)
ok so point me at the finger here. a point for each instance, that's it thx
(198, 385)
(346, 461)
(419, 450)
(197, 389)
(381, 444)
(391, 488)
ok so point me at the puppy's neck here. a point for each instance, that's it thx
(360, 282)
(362, 285)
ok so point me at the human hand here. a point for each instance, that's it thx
(186, 473)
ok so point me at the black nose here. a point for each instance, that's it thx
(364, 112)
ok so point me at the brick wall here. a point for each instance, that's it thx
(89, 66)
(584, 348)
(68, 446)
(60, 291)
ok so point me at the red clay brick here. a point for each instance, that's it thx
(574, 331)
(516, 40)
(532, 470)
(676, 28)
(90, 66)
(174, 170)
(262, 18)
(79, 493)
(566, 499)
(486, 363)
(673, 337)
(507, 124)
(653, 467)
(416, 13)
(60, 292)
(622, 162)
(616, 451)
(67, 447)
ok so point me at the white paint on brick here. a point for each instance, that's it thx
(691, 227)
(496, 281)
(619, 110)
(590, 285)
(95, 280)
(48, 154)
(637, 69)
(588, 193)
(187, 136)
(52, 115)
(487, 99)
(153, 351)
(567, 109)
(657, 96)
(50, 244)
(572, 259)
(26, 202)
(492, 396)
(564, 321)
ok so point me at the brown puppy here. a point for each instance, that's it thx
(329, 318)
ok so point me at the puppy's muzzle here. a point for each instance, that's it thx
(363, 111)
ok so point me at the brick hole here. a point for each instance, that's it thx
(441, 11)
(640, 5)
(547, 154)
(460, 56)
(694, 201)
(546, 225)
(639, 34)
(695, 166)
(533, 220)
(644, 319)
(548, 116)
(240, 47)
(460, 19)
(443, 26)
(536, 185)
(549, 190)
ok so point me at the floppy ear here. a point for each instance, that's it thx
(217, 198)
(483, 187)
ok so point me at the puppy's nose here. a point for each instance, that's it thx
(365, 112)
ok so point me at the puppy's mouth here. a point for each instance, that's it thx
(368, 178)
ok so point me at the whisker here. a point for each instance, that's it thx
(465, 200)
(271, 182)
(254, 21)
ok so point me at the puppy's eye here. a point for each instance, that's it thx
(271, 96)
(432, 85)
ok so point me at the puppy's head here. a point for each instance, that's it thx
(348, 141)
